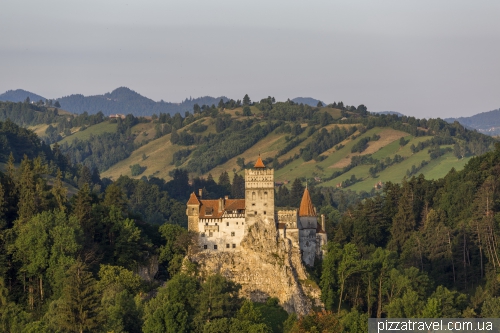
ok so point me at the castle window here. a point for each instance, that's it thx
(253, 204)
(236, 223)
(264, 212)
(255, 212)
(232, 233)
(208, 210)
(227, 224)
(210, 234)
(242, 223)
(202, 234)
(205, 247)
(215, 247)
(227, 246)
(253, 195)
(215, 223)
(265, 195)
(234, 246)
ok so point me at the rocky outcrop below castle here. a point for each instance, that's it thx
(265, 266)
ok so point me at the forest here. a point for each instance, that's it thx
(76, 248)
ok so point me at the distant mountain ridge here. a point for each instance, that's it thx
(124, 101)
(19, 95)
(399, 114)
(485, 122)
(121, 100)
(307, 101)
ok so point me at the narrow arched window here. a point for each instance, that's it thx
(265, 195)
(253, 195)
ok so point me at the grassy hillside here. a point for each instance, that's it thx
(159, 160)
(78, 133)
(216, 141)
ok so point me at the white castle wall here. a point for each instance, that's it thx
(228, 231)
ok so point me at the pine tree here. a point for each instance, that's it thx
(114, 197)
(221, 104)
(26, 189)
(59, 191)
(238, 187)
(246, 100)
(85, 176)
(296, 193)
(403, 222)
(80, 304)
(82, 209)
(225, 182)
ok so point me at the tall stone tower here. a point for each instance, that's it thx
(259, 193)
(193, 213)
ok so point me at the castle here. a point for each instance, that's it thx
(222, 223)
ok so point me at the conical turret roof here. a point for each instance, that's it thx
(259, 163)
(306, 206)
(193, 200)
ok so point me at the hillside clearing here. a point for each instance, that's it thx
(95, 130)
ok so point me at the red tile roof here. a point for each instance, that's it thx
(193, 200)
(306, 206)
(214, 206)
(235, 204)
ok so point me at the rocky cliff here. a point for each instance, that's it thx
(266, 266)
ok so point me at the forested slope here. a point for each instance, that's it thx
(422, 248)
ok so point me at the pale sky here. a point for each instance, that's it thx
(420, 57)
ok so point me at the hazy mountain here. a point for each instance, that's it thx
(485, 122)
(307, 100)
(124, 101)
(19, 95)
(388, 112)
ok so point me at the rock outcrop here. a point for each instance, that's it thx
(265, 266)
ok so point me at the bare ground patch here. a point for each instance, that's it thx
(387, 136)
(342, 163)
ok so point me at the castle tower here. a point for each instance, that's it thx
(259, 193)
(308, 224)
(193, 213)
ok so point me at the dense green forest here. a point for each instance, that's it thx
(77, 249)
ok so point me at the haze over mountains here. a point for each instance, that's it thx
(121, 100)
(484, 122)
(19, 95)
